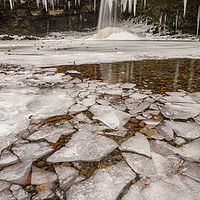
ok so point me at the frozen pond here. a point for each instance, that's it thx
(128, 130)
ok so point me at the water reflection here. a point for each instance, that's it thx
(156, 75)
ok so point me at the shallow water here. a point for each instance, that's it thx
(157, 75)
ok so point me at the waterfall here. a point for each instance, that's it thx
(185, 6)
(198, 21)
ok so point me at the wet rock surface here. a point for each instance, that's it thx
(66, 137)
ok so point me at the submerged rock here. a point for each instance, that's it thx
(105, 184)
(84, 146)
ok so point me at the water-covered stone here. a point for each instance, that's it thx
(40, 176)
(17, 173)
(140, 164)
(66, 176)
(8, 158)
(52, 133)
(33, 150)
(19, 193)
(84, 146)
(138, 144)
(105, 184)
(111, 117)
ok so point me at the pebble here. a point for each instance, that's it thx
(148, 132)
(142, 124)
(118, 157)
(134, 120)
(40, 163)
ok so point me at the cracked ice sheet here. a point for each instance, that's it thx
(105, 184)
(84, 146)
(111, 117)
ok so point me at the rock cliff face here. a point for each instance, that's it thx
(27, 18)
(79, 15)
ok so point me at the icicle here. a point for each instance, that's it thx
(130, 3)
(75, 2)
(52, 4)
(38, 3)
(185, 6)
(79, 2)
(198, 21)
(94, 5)
(134, 7)
(160, 21)
(124, 5)
(176, 23)
(69, 4)
(44, 2)
(145, 3)
(11, 4)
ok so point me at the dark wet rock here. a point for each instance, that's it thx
(105, 184)
(84, 146)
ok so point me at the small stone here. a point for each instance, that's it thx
(142, 124)
(44, 186)
(133, 181)
(40, 163)
(66, 164)
(148, 132)
(134, 120)
(118, 157)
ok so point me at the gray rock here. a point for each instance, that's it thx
(105, 184)
(40, 176)
(138, 144)
(84, 146)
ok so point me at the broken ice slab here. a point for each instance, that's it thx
(138, 97)
(187, 130)
(110, 116)
(138, 144)
(180, 110)
(90, 127)
(44, 195)
(49, 104)
(191, 151)
(32, 151)
(6, 140)
(128, 85)
(121, 133)
(52, 133)
(180, 94)
(84, 146)
(141, 107)
(40, 176)
(151, 123)
(191, 169)
(171, 188)
(77, 108)
(165, 166)
(6, 195)
(140, 164)
(166, 130)
(17, 173)
(19, 193)
(81, 118)
(179, 141)
(8, 158)
(150, 113)
(103, 102)
(134, 192)
(105, 184)
(4, 186)
(195, 96)
(163, 148)
(90, 101)
(66, 176)
(179, 99)
(197, 119)
(73, 72)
